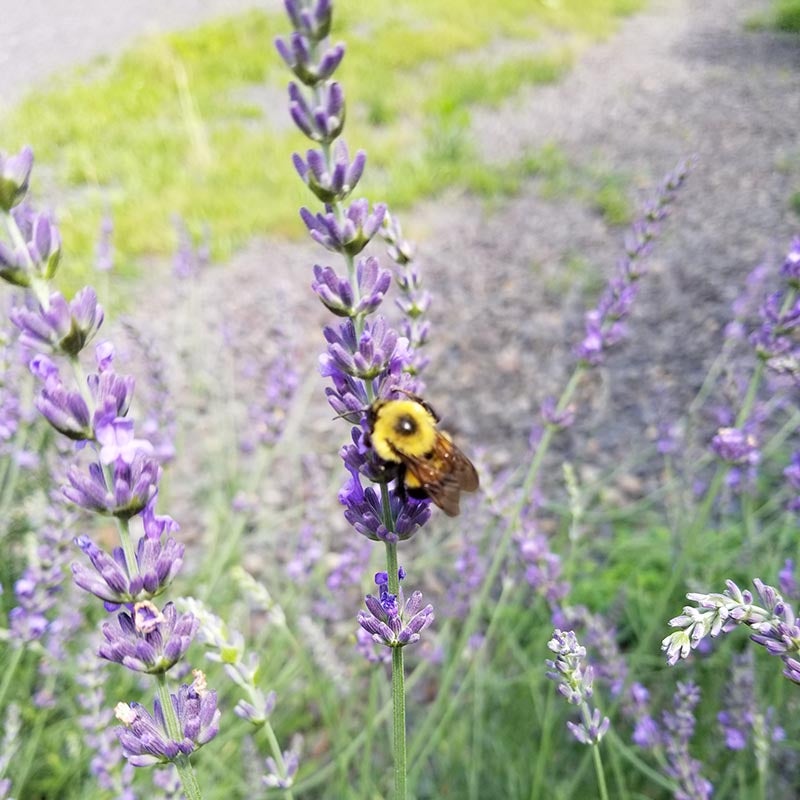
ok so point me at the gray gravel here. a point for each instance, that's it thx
(40, 37)
(680, 78)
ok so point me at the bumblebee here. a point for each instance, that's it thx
(404, 432)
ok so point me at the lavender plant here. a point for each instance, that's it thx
(575, 684)
(114, 475)
(495, 609)
(774, 341)
(365, 358)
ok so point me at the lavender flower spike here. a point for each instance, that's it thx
(774, 624)
(575, 684)
(145, 740)
(391, 623)
(148, 640)
(679, 725)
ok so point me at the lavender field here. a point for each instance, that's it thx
(426, 430)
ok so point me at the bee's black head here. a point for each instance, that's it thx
(406, 425)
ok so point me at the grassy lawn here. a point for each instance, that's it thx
(787, 16)
(195, 123)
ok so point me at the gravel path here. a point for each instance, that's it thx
(39, 37)
(680, 78)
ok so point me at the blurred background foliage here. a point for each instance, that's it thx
(195, 123)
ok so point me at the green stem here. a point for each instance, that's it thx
(398, 670)
(10, 671)
(277, 754)
(355, 747)
(750, 396)
(168, 710)
(399, 715)
(473, 781)
(598, 769)
(654, 776)
(191, 787)
(391, 552)
(9, 483)
(542, 762)
(366, 763)
(123, 527)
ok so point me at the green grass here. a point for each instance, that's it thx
(787, 16)
(195, 123)
(784, 15)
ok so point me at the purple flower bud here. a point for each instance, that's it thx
(116, 582)
(112, 394)
(298, 57)
(400, 250)
(13, 266)
(391, 622)
(364, 511)
(336, 293)
(257, 714)
(791, 266)
(368, 357)
(61, 327)
(679, 725)
(351, 235)
(45, 246)
(148, 640)
(313, 21)
(15, 172)
(133, 485)
(736, 446)
(331, 182)
(575, 684)
(65, 410)
(324, 122)
(145, 739)
(558, 419)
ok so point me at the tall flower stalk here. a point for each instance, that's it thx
(605, 328)
(575, 683)
(366, 358)
(113, 474)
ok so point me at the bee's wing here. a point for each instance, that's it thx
(444, 475)
(458, 465)
(445, 494)
(440, 486)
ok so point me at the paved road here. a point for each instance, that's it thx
(40, 37)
